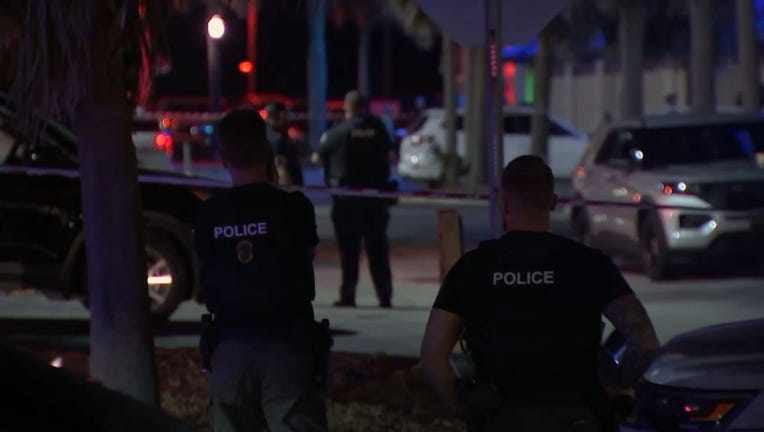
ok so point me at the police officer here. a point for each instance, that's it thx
(530, 307)
(356, 154)
(285, 150)
(255, 244)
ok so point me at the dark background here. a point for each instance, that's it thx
(281, 65)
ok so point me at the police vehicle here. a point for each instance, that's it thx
(41, 227)
(709, 379)
(675, 190)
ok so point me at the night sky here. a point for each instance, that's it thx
(281, 57)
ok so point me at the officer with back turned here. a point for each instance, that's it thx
(356, 154)
(255, 244)
(530, 306)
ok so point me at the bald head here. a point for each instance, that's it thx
(355, 103)
(241, 134)
(527, 184)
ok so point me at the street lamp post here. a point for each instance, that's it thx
(215, 31)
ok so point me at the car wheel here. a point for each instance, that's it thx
(656, 259)
(167, 277)
(581, 227)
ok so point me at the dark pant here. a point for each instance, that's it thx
(357, 218)
(258, 383)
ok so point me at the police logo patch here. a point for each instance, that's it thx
(245, 251)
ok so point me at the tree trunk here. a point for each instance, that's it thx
(542, 84)
(449, 103)
(631, 41)
(252, 44)
(387, 61)
(316, 71)
(477, 74)
(121, 343)
(748, 56)
(702, 62)
(364, 44)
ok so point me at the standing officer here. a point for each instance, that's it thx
(530, 306)
(255, 244)
(356, 154)
(287, 159)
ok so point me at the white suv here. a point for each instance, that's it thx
(422, 151)
(675, 190)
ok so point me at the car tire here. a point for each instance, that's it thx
(656, 259)
(163, 259)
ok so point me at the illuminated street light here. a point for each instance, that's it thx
(216, 27)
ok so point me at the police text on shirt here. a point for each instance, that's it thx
(242, 230)
(518, 278)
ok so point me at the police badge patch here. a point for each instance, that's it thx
(245, 251)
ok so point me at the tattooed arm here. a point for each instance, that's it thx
(630, 318)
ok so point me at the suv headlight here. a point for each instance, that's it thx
(671, 188)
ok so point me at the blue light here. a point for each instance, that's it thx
(400, 133)
(208, 129)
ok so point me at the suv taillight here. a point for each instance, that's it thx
(163, 141)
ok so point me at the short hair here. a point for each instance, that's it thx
(275, 108)
(355, 101)
(242, 139)
(527, 182)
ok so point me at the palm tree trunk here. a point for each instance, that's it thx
(748, 55)
(364, 44)
(476, 78)
(542, 85)
(702, 57)
(449, 103)
(316, 71)
(121, 343)
(631, 41)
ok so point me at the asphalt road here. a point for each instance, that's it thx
(675, 306)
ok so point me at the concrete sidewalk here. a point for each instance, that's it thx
(367, 328)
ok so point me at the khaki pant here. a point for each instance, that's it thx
(259, 383)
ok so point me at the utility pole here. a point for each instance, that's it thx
(631, 47)
(449, 103)
(702, 56)
(748, 56)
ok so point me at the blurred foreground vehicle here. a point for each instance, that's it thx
(41, 226)
(709, 379)
(675, 190)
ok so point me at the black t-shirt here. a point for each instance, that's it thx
(253, 244)
(356, 152)
(532, 308)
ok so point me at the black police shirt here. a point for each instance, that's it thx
(531, 305)
(356, 152)
(253, 243)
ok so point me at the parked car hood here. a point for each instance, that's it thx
(154, 176)
(727, 356)
(712, 172)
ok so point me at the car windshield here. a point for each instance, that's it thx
(699, 144)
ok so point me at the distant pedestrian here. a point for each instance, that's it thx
(529, 306)
(356, 154)
(284, 149)
(255, 245)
